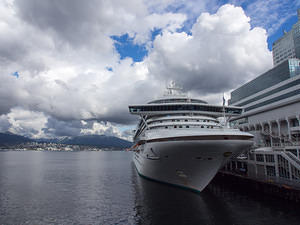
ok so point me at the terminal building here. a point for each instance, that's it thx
(271, 113)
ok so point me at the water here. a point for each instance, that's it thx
(104, 188)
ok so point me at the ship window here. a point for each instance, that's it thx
(197, 120)
(202, 126)
(166, 127)
(187, 126)
(185, 120)
(180, 126)
(160, 121)
(173, 120)
(204, 120)
(175, 126)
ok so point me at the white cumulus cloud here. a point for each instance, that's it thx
(61, 51)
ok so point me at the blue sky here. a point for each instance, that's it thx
(286, 12)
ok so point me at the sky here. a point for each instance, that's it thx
(71, 68)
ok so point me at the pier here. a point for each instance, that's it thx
(272, 187)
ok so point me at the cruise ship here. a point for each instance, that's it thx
(180, 141)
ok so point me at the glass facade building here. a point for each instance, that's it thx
(283, 71)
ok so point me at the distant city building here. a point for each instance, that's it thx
(288, 46)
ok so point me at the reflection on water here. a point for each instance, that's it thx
(104, 188)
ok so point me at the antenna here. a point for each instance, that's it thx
(224, 117)
(173, 89)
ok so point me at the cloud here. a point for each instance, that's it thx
(221, 53)
(101, 128)
(270, 14)
(24, 122)
(62, 51)
(39, 125)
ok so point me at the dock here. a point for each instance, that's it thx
(277, 188)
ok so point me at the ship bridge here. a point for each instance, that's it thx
(184, 107)
(175, 101)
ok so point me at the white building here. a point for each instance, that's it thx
(271, 113)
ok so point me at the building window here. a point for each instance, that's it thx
(271, 171)
(260, 157)
(269, 158)
(283, 167)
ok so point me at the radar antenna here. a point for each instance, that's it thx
(173, 89)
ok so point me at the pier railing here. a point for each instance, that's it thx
(282, 145)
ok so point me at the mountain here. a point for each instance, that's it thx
(98, 141)
(12, 139)
(101, 141)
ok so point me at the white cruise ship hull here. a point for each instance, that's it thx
(191, 164)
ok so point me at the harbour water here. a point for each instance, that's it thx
(104, 188)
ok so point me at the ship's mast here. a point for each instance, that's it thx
(173, 89)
